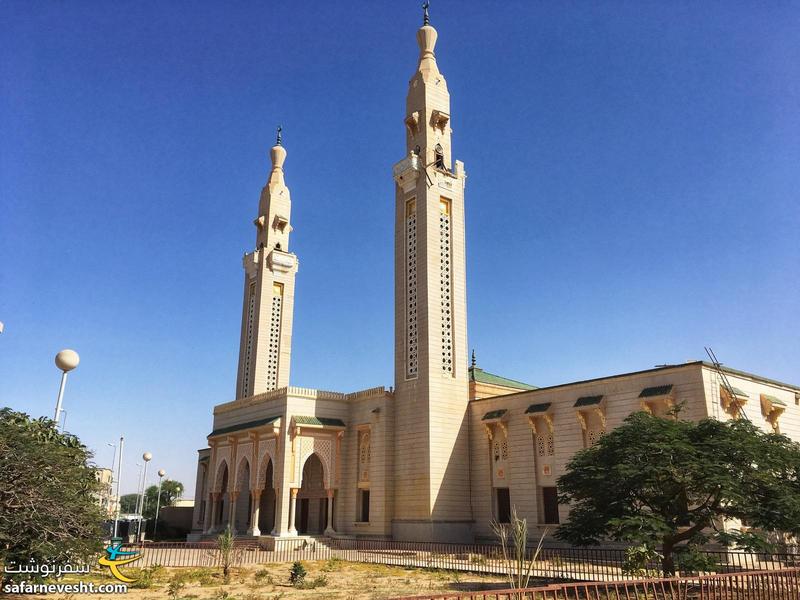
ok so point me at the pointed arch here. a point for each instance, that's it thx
(263, 467)
(325, 469)
(242, 480)
(221, 478)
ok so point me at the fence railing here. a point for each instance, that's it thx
(553, 563)
(783, 584)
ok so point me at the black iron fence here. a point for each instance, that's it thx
(552, 563)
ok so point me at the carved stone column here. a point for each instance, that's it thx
(254, 514)
(292, 510)
(208, 513)
(232, 510)
(214, 499)
(329, 530)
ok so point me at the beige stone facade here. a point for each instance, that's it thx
(450, 447)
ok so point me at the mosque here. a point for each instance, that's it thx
(450, 447)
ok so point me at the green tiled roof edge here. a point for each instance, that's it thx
(658, 390)
(240, 426)
(305, 420)
(481, 376)
(494, 414)
(588, 401)
(774, 400)
(537, 408)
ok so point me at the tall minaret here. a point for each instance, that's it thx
(431, 457)
(265, 349)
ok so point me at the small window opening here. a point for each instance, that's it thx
(550, 505)
(503, 505)
(363, 506)
(439, 157)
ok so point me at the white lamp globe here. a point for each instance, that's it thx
(147, 457)
(66, 360)
(161, 472)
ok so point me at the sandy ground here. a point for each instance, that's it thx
(335, 579)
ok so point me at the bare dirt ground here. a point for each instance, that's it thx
(332, 579)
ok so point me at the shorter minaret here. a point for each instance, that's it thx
(265, 349)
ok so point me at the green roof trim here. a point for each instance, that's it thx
(240, 426)
(480, 376)
(588, 401)
(538, 408)
(659, 390)
(738, 392)
(494, 414)
(773, 399)
(318, 421)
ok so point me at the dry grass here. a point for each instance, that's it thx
(342, 580)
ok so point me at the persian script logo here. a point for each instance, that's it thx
(116, 558)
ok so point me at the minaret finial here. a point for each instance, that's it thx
(426, 20)
(474, 362)
(278, 140)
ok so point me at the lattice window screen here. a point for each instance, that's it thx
(248, 347)
(274, 337)
(412, 339)
(446, 287)
(541, 446)
(594, 434)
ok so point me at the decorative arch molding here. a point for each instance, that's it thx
(222, 466)
(323, 448)
(244, 451)
(242, 476)
(267, 451)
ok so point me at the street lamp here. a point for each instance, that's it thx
(119, 477)
(161, 473)
(111, 483)
(147, 457)
(66, 360)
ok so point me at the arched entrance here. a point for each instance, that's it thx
(311, 516)
(243, 509)
(221, 518)
(266, 511)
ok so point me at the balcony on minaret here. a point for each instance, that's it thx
(406, 172)
(280, 261)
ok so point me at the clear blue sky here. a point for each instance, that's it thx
(633, 184)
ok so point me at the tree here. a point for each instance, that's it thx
(48, 505)
(660, 481)
(170, 491)
(228, 553)
(513, 538)
(128, 503)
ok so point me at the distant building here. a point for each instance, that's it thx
(451, 447)
(105, 497)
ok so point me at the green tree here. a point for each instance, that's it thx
(170, 491)
(48, 505)
(127, 503)
(670, 483)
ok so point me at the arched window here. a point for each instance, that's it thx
(438, 161)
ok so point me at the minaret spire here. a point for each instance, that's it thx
(267, 311)
(431, 353)
(426, 20)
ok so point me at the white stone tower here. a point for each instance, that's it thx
(431, 380)
(265, 348)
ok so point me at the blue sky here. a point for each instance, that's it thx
(632, 193)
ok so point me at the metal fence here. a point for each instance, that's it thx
(553, 563)
(783, 584)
